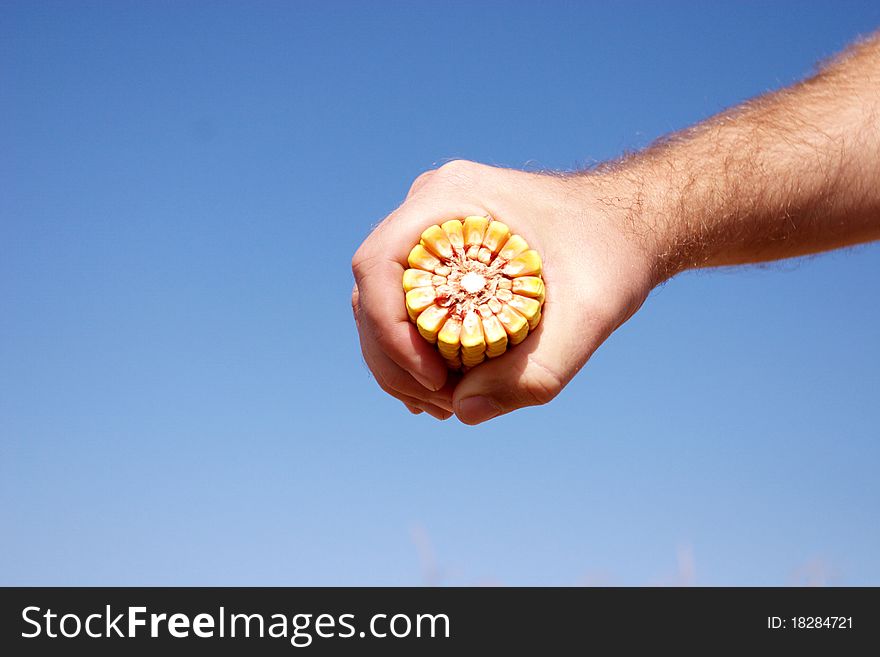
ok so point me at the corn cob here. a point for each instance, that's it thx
(473, 289)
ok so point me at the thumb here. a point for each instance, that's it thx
(529, 374)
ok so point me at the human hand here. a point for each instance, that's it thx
(599, 266)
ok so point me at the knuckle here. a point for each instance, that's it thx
(458, 172)
(357, 262)
(421, 180)
(457, 167)
(355, 299)
(361, 263)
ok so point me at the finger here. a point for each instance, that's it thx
(399, 383)
(386, 327)
(378, 268)
(417, 407)
(531, 373)
(382, 366)
(438, 413)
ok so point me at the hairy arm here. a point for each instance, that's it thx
(790, 173)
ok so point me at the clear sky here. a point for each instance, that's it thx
(182, 396)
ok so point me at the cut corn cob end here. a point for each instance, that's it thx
(473, 289)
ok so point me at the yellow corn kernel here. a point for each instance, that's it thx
(448, 339)
(527, 263)
(413, 278)
(437, 242)
(513, 247)
(473, 344)
(430, 321)
(417, 300)
(515, 324)
(529, 286)
(470, 360)
(466, 320)
(474, 230)
(496, 337)
(454, 232)
(528, 308)
(421, 258)
(496, 235)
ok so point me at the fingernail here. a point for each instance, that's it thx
(474, 410)
(430, 386)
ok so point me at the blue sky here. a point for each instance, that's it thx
(182, 397)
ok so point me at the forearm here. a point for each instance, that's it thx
(787, 174)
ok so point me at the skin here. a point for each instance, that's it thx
(787, 174)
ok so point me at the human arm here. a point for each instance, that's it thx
(787, 174)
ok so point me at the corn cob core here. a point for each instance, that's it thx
(473, 289)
